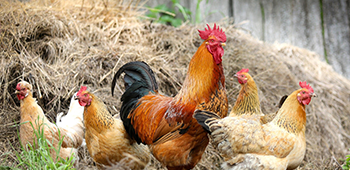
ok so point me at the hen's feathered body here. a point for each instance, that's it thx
(72, 122)
(246, 143)
(106, 139)
(32, 117)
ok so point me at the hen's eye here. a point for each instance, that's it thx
(303, 92)
(211, 40)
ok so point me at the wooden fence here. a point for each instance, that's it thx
(322, 26)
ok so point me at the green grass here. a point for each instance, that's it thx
(2, 164)
(165, 15)
(198, 17)
(346, 165)
(37, 156)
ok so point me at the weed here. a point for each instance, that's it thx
(346, 165)
(165, 15)
(37, 155)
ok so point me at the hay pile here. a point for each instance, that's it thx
(58, 46)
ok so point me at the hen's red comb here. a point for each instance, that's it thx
(303, 84)
(244, 70)
(18, 87)
(217, 32)
(83, 88)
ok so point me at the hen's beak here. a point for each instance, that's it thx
(235, 75)
(16, 92)
(313, 95)
(223, 44)
(76, 97)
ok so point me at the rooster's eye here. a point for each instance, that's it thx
(211, 40)
(303, 92)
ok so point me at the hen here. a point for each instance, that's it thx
(33, 115)
(279, 144)
(248, 102)
(165, 123)
(73, 120)
(248, 99)
(106, 138)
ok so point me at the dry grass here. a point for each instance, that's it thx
(60, 45)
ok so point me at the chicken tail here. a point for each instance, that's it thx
(139, 80)
(136, 72)
(205, 118)
(283, 98)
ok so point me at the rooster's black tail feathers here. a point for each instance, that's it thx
(137, 71)
(139, 80)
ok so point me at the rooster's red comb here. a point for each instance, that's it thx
(303, 84)
(244, 70)
(83, 88)
(217, 32)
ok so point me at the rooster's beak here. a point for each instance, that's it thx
(313, 95)
(235, 75)
(76, 97)
(16, 92)
(223, 44)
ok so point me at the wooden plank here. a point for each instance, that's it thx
(295, 22)
(213, 11)
(277, 22)
(337, 34)
(248, 16)
(306, 29)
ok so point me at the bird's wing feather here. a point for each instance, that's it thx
(169, 132)
(155, 109)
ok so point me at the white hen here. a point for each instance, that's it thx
(72, 123)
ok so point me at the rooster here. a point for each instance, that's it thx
(33, 115)
(74, 119)
(165, 123)
(106, 138)
(279, 144)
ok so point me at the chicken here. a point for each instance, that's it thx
(73, 120)
(246, 143)
(248, 99)
(33, 115)
(248, 102)
(165, 123)
(106, 139)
